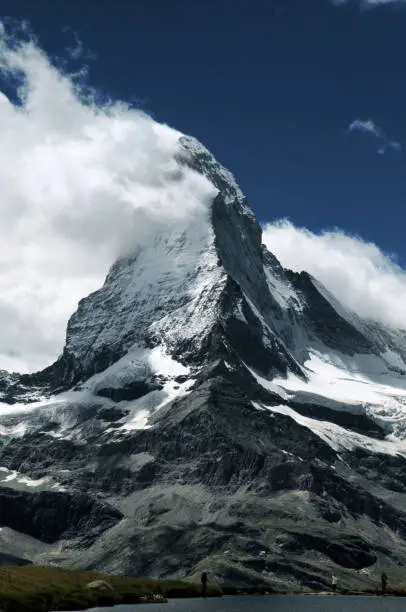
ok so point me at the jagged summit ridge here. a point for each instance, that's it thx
(173, 291)
(200, 159)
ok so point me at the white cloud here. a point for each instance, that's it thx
(358, 273)
(370, 3)
(376, 2)
(369, 127)
(81, 183)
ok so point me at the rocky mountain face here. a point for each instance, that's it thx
(210, 411)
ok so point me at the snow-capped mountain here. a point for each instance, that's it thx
(210, 410)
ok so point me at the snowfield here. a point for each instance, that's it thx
(362, 384)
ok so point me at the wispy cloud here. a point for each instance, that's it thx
(77, 50)
(82, 181)
(372, 129)
(356, 272)
(368, 3)
(365, 126)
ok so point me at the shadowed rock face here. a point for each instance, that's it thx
(323, 320)
(177, 452)
(50, 516)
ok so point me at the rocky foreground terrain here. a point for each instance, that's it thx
(210, 411)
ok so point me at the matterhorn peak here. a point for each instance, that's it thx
(202, 391)
(179, 290)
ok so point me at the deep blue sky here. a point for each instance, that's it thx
(269, 86)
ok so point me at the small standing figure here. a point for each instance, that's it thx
(204, 580)
(384, 582)
(333, 583)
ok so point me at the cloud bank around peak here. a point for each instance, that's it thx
(83, 182)
(357, 273)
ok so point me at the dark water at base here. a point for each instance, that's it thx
(277, 603)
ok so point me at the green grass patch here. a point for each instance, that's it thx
(34, 588)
